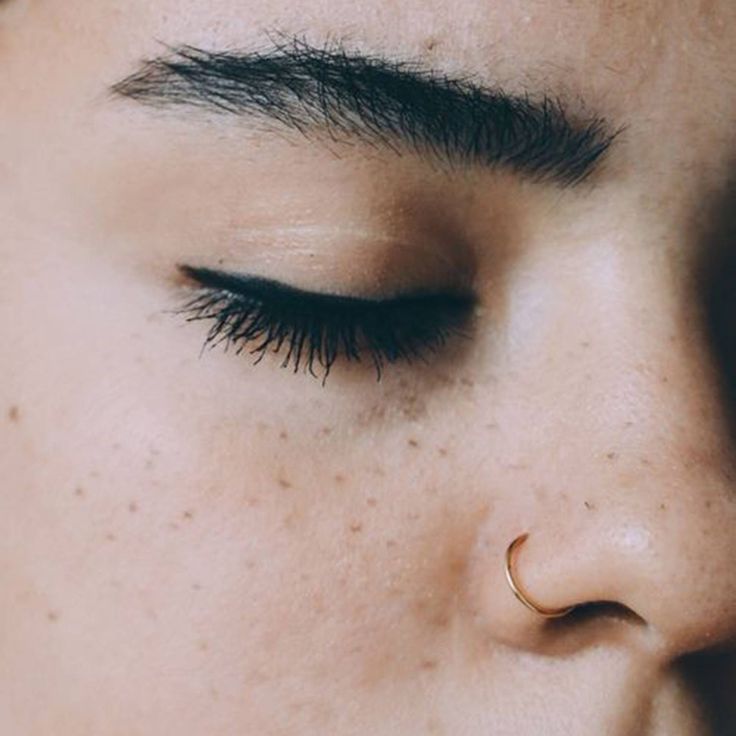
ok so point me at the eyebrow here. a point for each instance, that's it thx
(381, 101)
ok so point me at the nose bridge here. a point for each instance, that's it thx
(619, 394)
(611, 343)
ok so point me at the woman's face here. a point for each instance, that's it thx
(200, 545)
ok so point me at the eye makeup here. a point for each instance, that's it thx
(313, 331)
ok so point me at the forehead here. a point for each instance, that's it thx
(510, 38)
(664, 69)
(610, 52)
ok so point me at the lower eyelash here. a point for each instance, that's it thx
(318, 330)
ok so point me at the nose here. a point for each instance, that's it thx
(627, 489)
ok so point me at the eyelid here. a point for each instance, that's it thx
(246, 285)
(319, 328)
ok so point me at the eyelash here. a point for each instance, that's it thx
(319, 329)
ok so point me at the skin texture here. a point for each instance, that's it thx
(193, 546)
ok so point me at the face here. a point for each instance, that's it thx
(205, 541)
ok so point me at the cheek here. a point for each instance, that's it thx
(170, 510)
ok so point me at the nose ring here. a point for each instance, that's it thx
(519, 592)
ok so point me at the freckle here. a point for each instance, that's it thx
(290, 519)
(356, 527)
(203, 646)
(132, 507)
(491, 425)
(413, 443)
(14, 413)
(110, 537)
(52, 616)
(326, 431)
(214, 694)
(441, 622)
(442, 451)
(79, 492)
(371, 501)
(664, 379)
(188, 515)
(585, 344)
(611, 455)
(645, 461)
(250, 564)
(663, 507)
(283, 482)
(628, 424)
(590, 506)
(429, 664)
(708, 504)
(339, 478)
(390, 543)
(283, 435)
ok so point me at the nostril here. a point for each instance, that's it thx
(599, 612)
(594, 624)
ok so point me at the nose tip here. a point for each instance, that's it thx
(527, 603)
(631, 585)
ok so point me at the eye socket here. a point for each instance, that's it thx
(315, 330)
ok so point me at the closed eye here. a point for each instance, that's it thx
(314, 330)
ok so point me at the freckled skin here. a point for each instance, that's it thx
(201, 546)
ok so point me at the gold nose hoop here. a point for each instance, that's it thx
(519, 592)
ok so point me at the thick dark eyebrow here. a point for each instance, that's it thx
(385, 102)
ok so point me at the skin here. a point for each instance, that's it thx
(197, 546)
